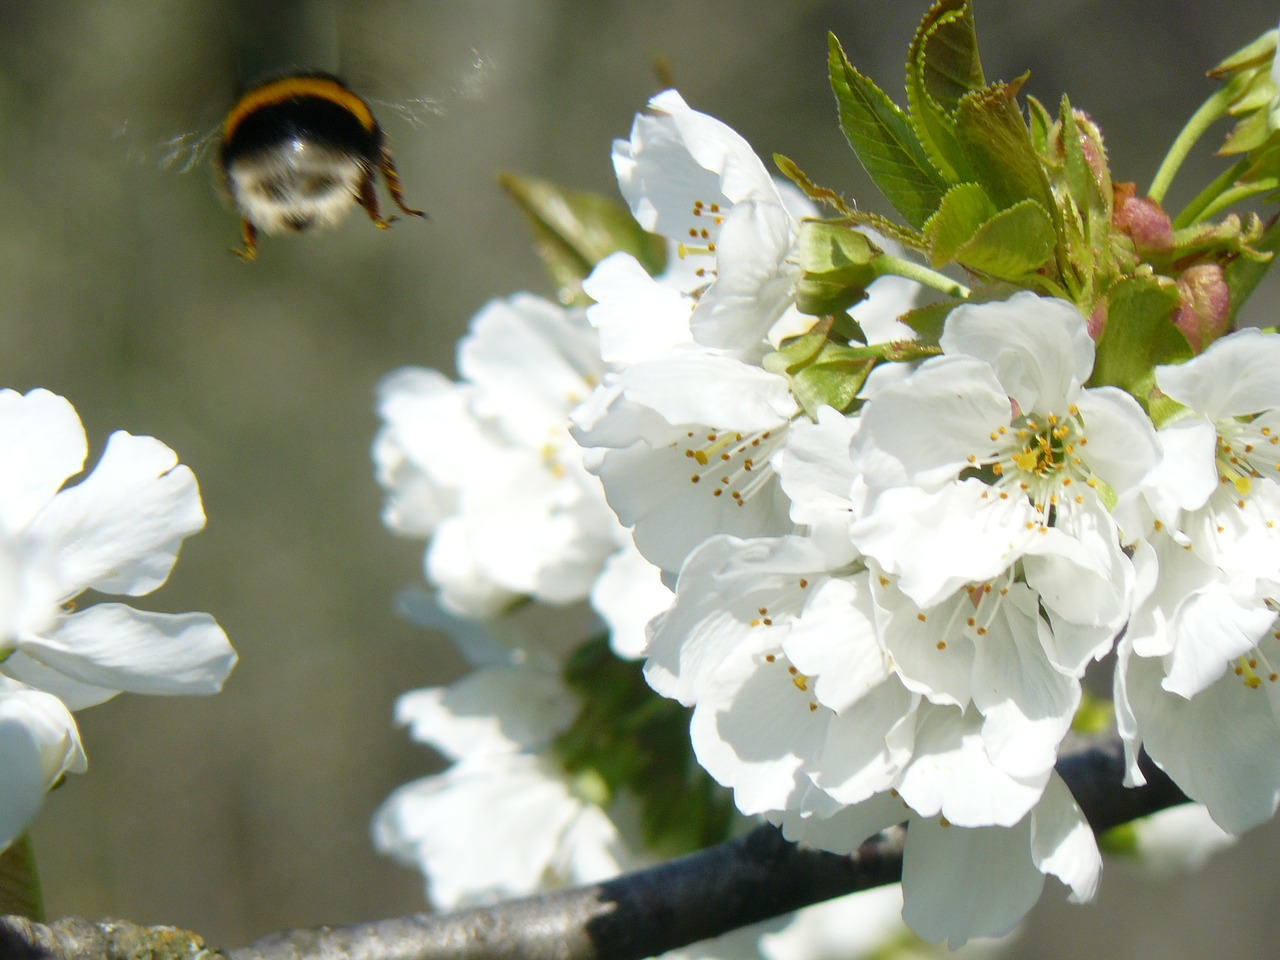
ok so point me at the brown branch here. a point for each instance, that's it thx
(637, 915)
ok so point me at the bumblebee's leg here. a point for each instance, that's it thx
(250, 249)
(369, 200)
(388, 168)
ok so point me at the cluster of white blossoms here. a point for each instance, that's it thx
(116, 531)
(877, 616)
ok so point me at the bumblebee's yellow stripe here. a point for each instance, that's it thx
(280, 90)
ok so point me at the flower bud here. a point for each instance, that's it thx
(1206, 305)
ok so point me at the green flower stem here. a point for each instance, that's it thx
(19, 882)
(1194, 211)
(1243, 192)
(1209, 112)
(898, 267)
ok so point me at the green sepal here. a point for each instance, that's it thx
(942, 67)
(832, 379)
(928, 321)
(1088, 183)
(1139, 335)
(1256, 53)
(574, 230)
(855, 217)
(1040, 122)
(1242, 275)
(836, 267)
(885, 143)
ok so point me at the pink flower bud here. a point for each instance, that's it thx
(1143, 219)
(1205, 308)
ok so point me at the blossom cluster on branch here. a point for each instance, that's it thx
(867, 496)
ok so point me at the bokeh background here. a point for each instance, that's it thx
(248, 812)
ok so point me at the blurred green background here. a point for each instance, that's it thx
(248, 812)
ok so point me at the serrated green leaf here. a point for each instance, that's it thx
(1013, 244)
(942, 66)
(964, 209)
(1139, 334)
(882, 137)
(574, 230)
(993, 135)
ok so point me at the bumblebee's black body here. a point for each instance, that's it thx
(298, 150)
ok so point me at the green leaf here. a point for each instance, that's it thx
(1013, 244)
(881, 136)
(1139, 335)
(574, 230)
(943, 66)
(993, 135)
(964, 209)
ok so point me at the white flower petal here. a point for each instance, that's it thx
(638, 318)
(1039, 348)
(114, 646)
(835, 640)
(498, 710)
(1221, 747)
(951, 774)
(41, 444)
(627, 595)
(1062, 842)
(119, 529)
(38, 743)
(754, 284)
(962, 883)
(1123, 448)
(1234, 377)
(1028, 705)
(845, 830)
(936, 542)
(928, 427)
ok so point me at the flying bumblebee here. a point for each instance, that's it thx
(300, 150)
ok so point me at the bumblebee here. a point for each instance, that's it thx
(301, 150)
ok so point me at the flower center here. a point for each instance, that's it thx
(1041, 457)
(735, 465)
(702, 239)
(1246, 452)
